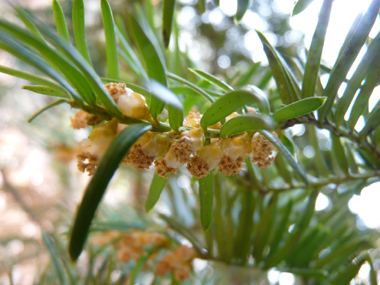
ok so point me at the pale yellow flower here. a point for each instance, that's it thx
(93, 148)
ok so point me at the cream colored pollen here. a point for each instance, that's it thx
(263, 151)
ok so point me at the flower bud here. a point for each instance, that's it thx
(236, 146)
(251, 110)
(134, 105)
(129, 102)
(193, 119)
(212, 154)
(101, 137)
(216, 126)
(196, 137)
(93, 148)
(158, 145)
(233, 115)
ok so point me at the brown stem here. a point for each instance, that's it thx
(327, 125)
(323, 182)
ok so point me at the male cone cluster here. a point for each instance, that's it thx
(168, 151)
(177, 260)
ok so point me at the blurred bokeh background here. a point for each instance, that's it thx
(39, 181)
